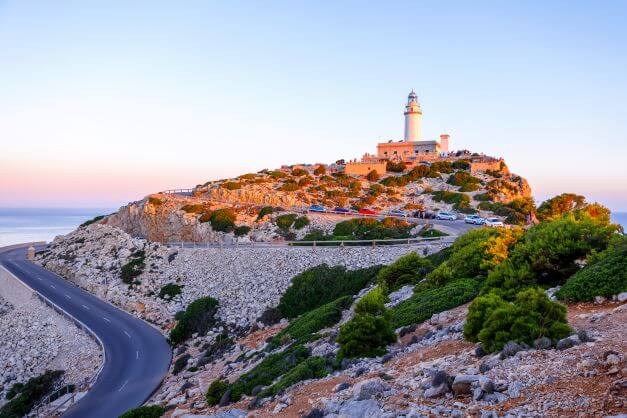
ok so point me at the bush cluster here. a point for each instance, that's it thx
(23, 396)
(285, 222)
(369, 228)
(268, 370)
(311, 368)
(424, 303)
(304, 327)
(557, 206)
(92, 221)
(133, 268)
(408, 269)
(180, 363)
(289, 186)
(322, 284)
(266, 210)
(241, 230)
(531, 315)
(372, 176)
(155, 201)
(466, 181)
(320, 170)
(216, 390)
(194, 208)
(198, 317)
(370, 330)
(460, 201)
(413, 175)
(395, 167)
(605, 275)
(231, 185)
(223, 220)
(515, 212)
(170, 290)
(152, 411)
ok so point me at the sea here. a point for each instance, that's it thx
(29, 225)
(38, 224)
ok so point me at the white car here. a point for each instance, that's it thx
(446, 216)
(474, 219)
(493, 222)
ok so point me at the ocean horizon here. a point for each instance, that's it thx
(18, 225)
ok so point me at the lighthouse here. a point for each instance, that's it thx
(413, 116)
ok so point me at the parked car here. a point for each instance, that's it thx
(397, 212)
(493, 222)
(474, 219)
(317, 208)
(446, 216)
(365, 211)
(341, 210)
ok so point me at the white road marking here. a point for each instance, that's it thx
(127, 334)
(39, 278)
(68, 296)
(106, 319)
(122, 387)
(52, 286)
(86, 307)
(137, 355)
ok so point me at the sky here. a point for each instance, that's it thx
(102, 103)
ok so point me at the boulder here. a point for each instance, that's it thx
(514, 389)
(367, 389)
(462, 385)
(360, 409)
(435, 391)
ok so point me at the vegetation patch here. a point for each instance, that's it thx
(304, 327)
(170, 290)
(134, 267)
(92, 221)
(423, 304)
(223, 220)
(408, 269)
(23, 396)
(197, 318)
(216, 390)
(322, 284)
(266, 210)
(370, 330)
(311, 368)
(605, 275)
(466, 181)
(241, 230)
(152, 411)
(460, 201)
(516, 212)
(268, 370)
(155, 201)
(194, 208)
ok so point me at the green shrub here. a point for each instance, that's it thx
(284, 222)
(605, 275)
(422, 305)
(432, 233)
(320, 170)
(92, 221)
(460, 201)
(298, 172)
(152, 411)
(395, 167)
(304, 327)
(221, 344)
(231, 185)
(532, 315)
(133, 268)
(248, 176)
(206, 216)
(241, 230)
(322, 284)
(369, 228)
(223, 220)
(266, 210)
(301, 222)
(277, 174)
(515, 212)
(268, 370)
(311, 368)
(171, 290)
(372, 303)
(482, 197)
(155, 201)
(461, 165)
(193, 208)
(407, 269)
(198, 317)
(23, 396)
(546, 254)
(372, 176)
(478, 312)
(557, 206)
(474, 254)
(466, 181)
(305, 181)
(289, 186)
(442, 167)
(216, 390)
(365, 335)
(180, 363)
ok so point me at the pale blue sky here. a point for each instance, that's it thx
(104, 102)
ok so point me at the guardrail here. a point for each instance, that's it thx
(87, 383)
(316, 243)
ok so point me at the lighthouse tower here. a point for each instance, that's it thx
(413, 116)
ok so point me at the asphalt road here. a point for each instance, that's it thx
(137, 355)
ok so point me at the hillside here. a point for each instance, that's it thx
(456, 184)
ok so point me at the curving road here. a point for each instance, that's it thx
(137, 356)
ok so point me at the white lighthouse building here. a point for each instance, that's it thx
(413, 118)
